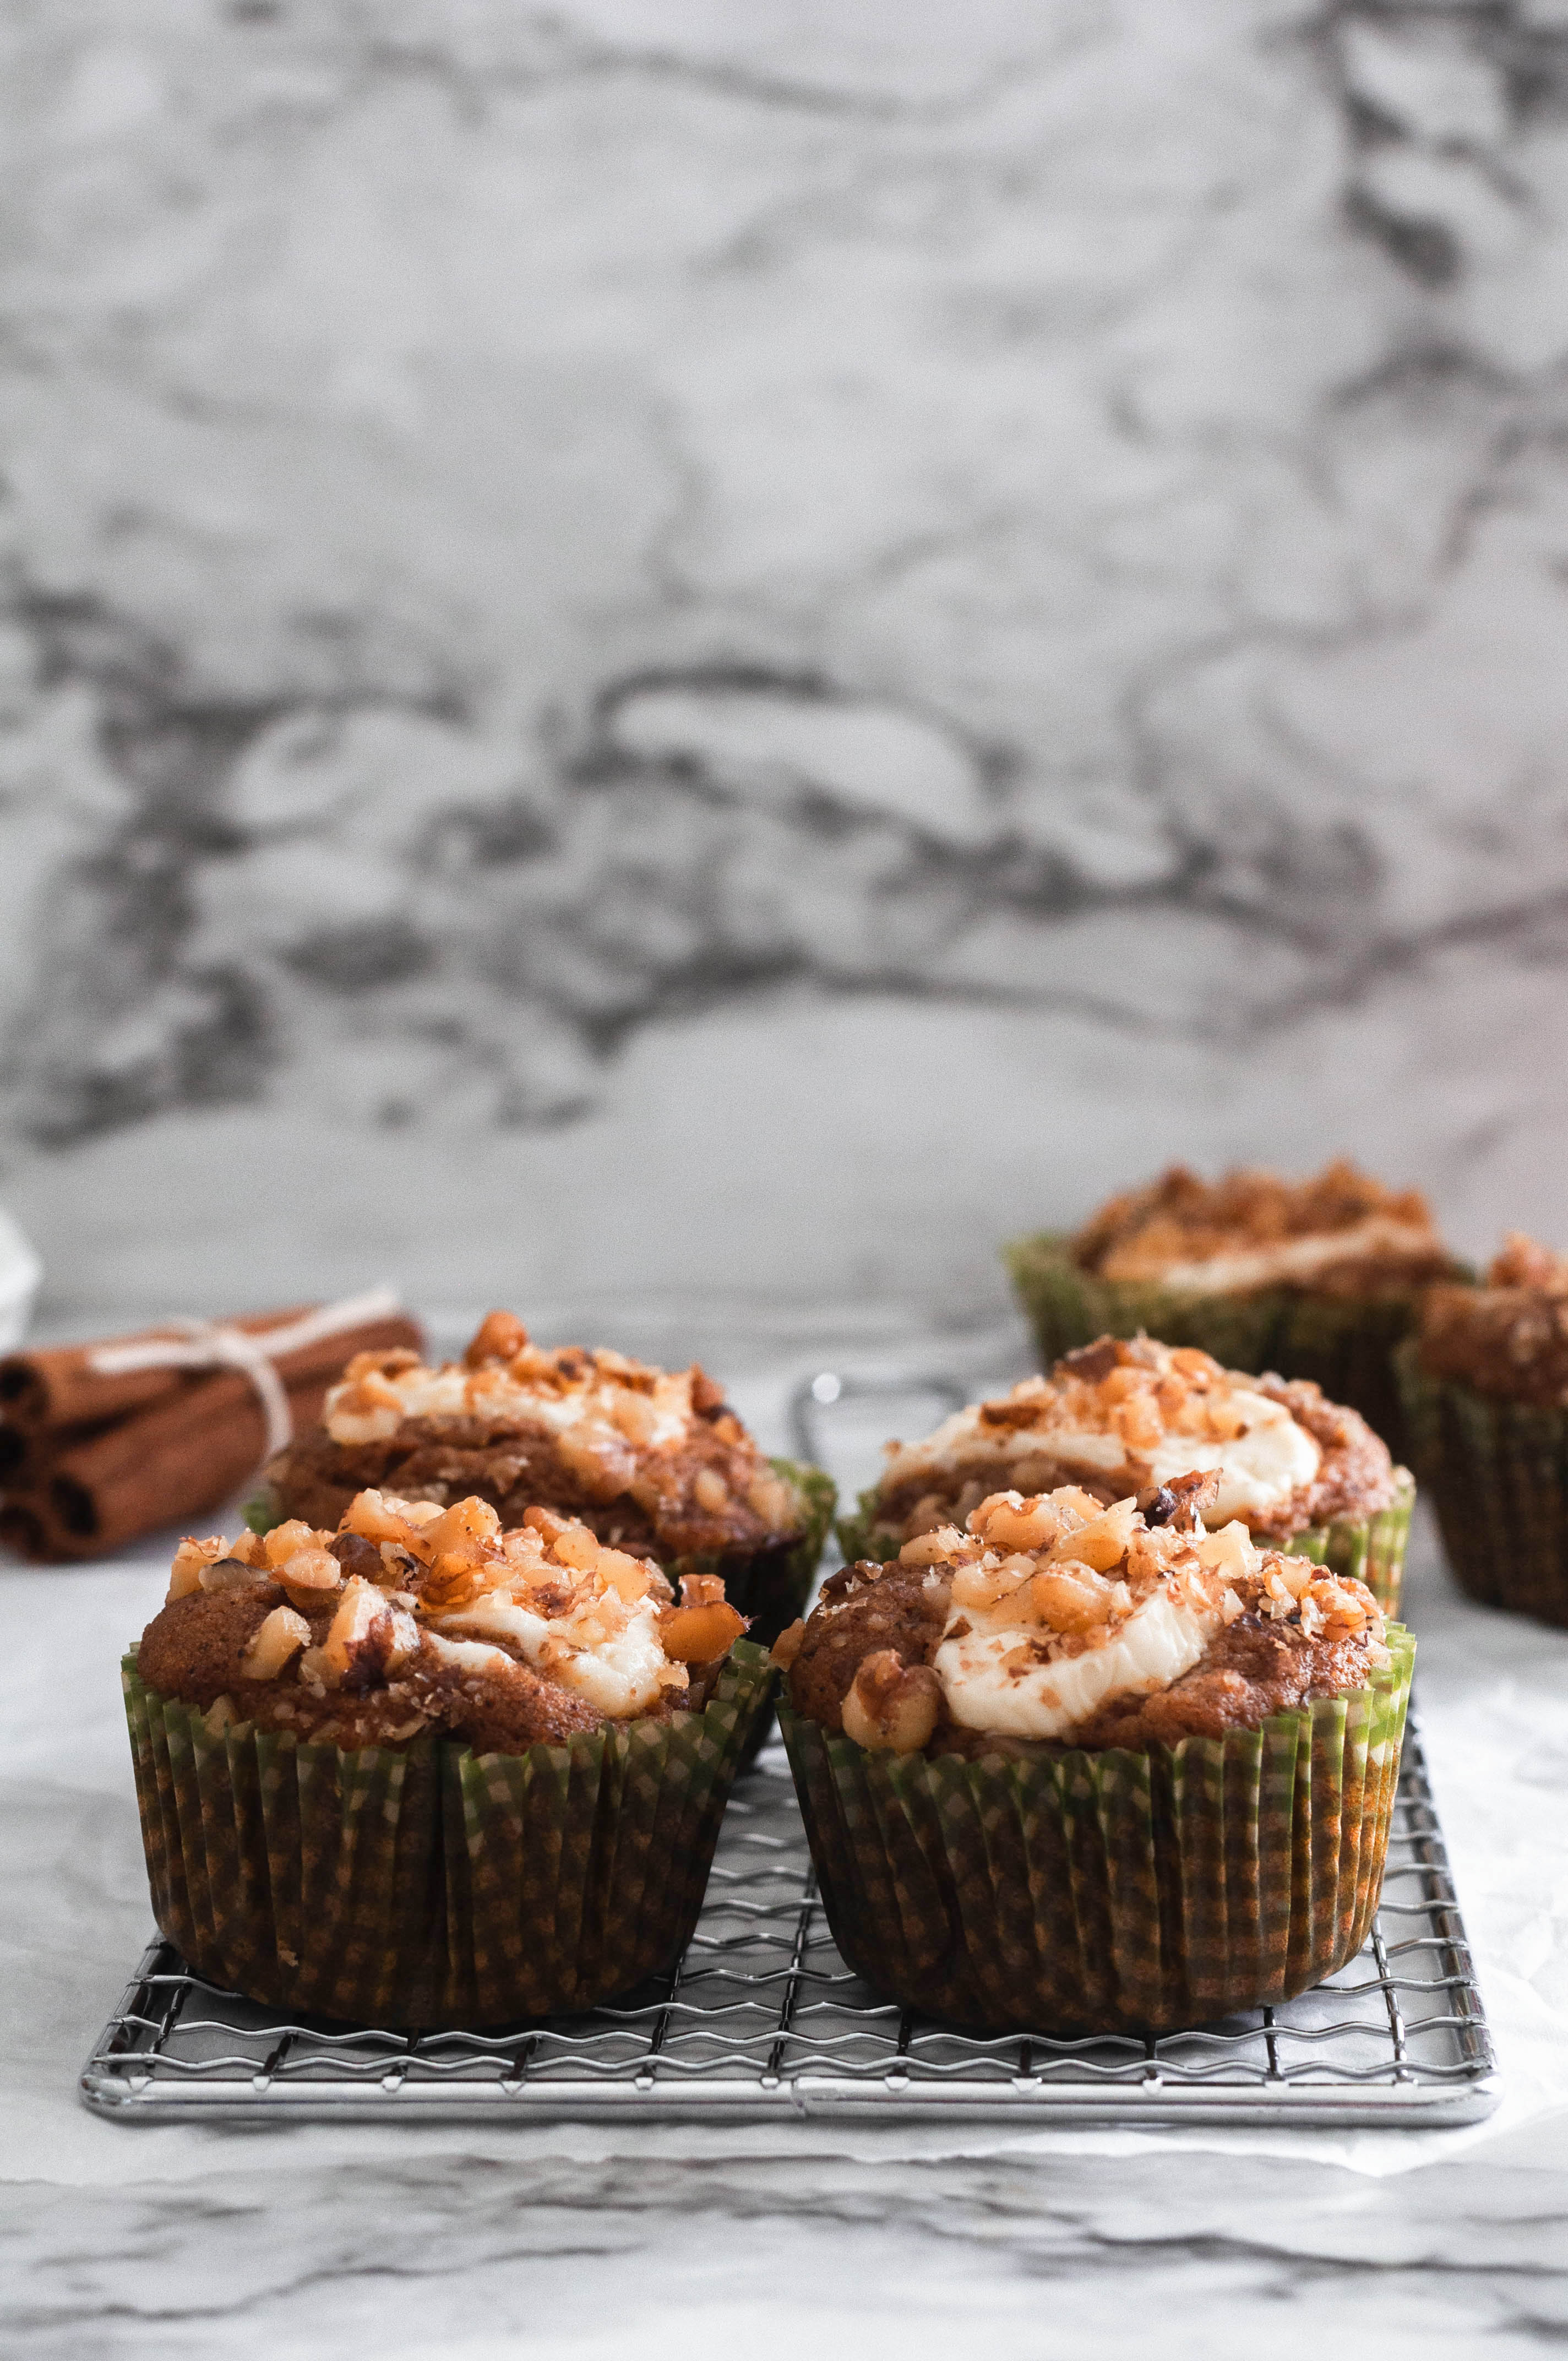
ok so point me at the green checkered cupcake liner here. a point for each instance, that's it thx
(1116, 1891)
(1370, 1548)
(434, 1886)
(1497, 1472)
(1345, 1345)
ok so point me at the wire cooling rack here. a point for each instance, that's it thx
(761, 2019)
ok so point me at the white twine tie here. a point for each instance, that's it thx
(214, 1345)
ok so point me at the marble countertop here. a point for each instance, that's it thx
(479, 2242)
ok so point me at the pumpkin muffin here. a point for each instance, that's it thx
(421, 1769)
(1080, 1767)
(1316, 1279)
(1117, 1417)
(1485, 1387)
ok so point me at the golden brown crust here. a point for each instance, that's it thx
(1355, 1475)
(1252, 1670)
(863, 1609)
(193, 1649)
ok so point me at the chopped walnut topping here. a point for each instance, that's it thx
(191, 1561)
(377, 1600)
(1072, 1571)
(226, 1574)
(1166, 1424)
(786, 1647)
(891, 1708)
(282, 1635)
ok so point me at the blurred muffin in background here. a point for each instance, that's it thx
(1316, 1279)
(1486, 1392)
(652, 1460)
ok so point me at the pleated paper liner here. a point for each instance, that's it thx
(1114, 1890)
(1345, 1345)
(1370, 1548)
(1497, 1472)
(434, 1886)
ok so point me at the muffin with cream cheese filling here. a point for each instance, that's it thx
(1086, 1767)
(1316, 1279)
(1485, 1387)
(652, 1460)
(423, 1769)
(1120, 1417)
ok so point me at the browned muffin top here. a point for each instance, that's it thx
(417, 1620)
(1510, 1335)
(1340, 1233)
(1054, 1619)
(652, 1458)
(1118, 1415)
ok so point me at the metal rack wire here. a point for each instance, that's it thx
(761, 2019)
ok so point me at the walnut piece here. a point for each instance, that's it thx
(892, 1707)
(282, 1635)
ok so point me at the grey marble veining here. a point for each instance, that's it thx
(679, 591)
(479, 2257)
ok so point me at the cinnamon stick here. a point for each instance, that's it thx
(56, 1386)
(27, 1529)
(175, 1461)
(78, 1491)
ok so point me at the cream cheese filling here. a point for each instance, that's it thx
(1296, 1258)
(1259, 1470)
(658, 1421)
(617, 1672)
(1162, 1638)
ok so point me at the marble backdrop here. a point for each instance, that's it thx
(649, 647)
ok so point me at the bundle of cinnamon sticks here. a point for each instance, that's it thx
(89, 1459)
